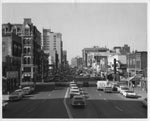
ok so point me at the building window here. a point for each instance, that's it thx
(24, 50)
(29, 60)
(28, 50)
(24, 60)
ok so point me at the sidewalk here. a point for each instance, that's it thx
(142, 93)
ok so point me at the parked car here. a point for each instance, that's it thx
(5, 103)
(129, 93)
(74, 92)
(74, 87)
(144, 101)
(72, 84)
(78, 100)
(27, 90)
(107, 89)
(15, 96)
(21, 92)
(123, 88)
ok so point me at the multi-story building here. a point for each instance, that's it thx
(122, 50)
(95, 55)
(31, 42)
(76, 62)
(125, 49)
(12, 28)
(137, 62)
(46, 40)
(11, 58)
(64, 58)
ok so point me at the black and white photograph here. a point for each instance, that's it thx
(74, 60)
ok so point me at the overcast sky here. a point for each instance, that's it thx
(86, 25)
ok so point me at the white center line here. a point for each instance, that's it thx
(118, 108)
(67, 108)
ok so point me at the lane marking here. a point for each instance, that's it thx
(118, 108)
(67, 108)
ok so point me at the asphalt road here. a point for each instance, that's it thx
(56, 104)
(43, 104)
(108, 105)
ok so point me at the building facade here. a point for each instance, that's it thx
(76, 62)
(31, 48)
(137, 62)
(95, 55)
(11, 60)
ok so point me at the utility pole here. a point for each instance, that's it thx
(115, 69)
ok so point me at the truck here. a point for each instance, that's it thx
(102, 84)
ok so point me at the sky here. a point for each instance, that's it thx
(86, 25)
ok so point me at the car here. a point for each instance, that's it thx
(107, 89)
(84, 93)
(21, 92)
(72, 84)
(27, 90)
(74, 92)
(74, 87)
(5, 103)
(78, 100)
(123, 88)
(15, 96)
(144, 102)
(129, 93)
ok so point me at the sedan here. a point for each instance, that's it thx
(27, 90)
(15, 96)
(122, 89)
(74, 92)
(21, 92)
(129, 94)
(78, 100)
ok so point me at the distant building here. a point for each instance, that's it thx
(46, 40)
(117, 49)
(64, 58)
(53, 45)
(125, 49)
(95, 55)
(76, 62)
(122, 50)
(137, 62)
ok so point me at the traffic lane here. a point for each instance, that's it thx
(131, 107)
(41, 105)
(107, 105)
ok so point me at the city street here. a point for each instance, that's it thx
(56, 104)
